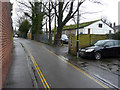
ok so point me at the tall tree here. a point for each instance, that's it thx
(49, 14)
(24, 28)
(62, 20)
(36, 16)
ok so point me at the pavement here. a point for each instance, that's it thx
(19, 74)
(36, 65)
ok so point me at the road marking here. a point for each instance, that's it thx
(98, 82)
(44, 82)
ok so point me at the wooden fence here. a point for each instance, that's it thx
(84, 40)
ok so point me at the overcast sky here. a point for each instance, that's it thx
(109, 9)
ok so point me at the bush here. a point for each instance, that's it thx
(117, 35)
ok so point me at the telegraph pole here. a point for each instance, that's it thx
(46, 33)
(77, 47)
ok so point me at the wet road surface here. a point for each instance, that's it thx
(106, 69)
(55, 71)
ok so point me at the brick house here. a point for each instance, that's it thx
(6, 42)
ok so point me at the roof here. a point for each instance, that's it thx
(81, 25)
(109, 40)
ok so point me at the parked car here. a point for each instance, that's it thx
(102, 48)
(64, 38)
(16, 35)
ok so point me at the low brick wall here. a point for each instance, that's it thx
(6, 42)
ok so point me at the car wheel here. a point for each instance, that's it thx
(97, 55)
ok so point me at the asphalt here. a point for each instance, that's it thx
(33, 65)
(19, 74)
(106, 69)
(57, 72)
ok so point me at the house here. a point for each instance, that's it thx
(92, 27)
(117, 28)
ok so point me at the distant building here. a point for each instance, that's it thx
(92, 27)
(117, 28)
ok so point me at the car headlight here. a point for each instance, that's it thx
(82, 49)
(89, 50)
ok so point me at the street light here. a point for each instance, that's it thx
(77, 47)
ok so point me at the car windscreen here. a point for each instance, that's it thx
(100, 43)
(64, 36)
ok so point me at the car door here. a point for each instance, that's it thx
(108, 49)
(117, 48)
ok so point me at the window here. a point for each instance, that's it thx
(100, 42)
(117, 43)
(100, 25)
(109, 44)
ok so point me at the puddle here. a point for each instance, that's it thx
(64, 58)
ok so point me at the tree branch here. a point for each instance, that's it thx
(65, 6)
(24, 4)
(54, 7)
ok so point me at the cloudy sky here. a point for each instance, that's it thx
(109, 10)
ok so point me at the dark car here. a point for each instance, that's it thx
(102, 48)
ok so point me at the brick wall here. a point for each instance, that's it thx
(5, 39)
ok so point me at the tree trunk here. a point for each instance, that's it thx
(57, 41)
(50, 35)
(60, 26)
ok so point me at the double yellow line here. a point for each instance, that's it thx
(44, 82)
(98, 82)
(43, 79)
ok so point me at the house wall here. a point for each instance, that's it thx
(5, 40)
(68, 32)
(94, 29)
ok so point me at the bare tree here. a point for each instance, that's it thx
(50, 15)
(62, 19)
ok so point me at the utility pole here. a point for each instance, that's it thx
(77, 47)
(46, 33)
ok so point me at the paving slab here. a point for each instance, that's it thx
(19, 75)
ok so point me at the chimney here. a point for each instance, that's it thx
(114, 24)
(110, 24)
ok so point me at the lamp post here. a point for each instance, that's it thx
(77, 47)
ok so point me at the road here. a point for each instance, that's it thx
(52, 71)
